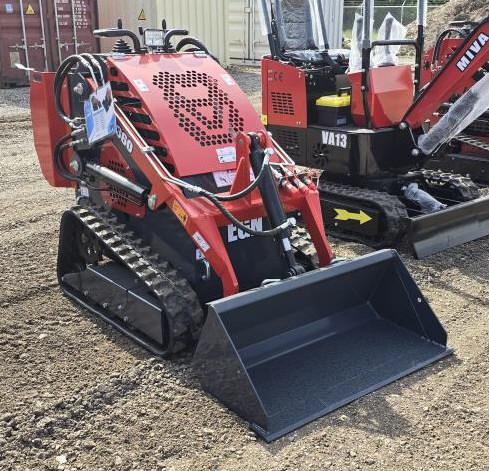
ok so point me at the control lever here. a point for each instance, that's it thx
(119, 32)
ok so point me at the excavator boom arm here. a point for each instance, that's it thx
(455, 78)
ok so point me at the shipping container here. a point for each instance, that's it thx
(248, 44)
(133, 13)
(205, 19)
(39, 34)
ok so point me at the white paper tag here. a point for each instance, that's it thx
(226, 155)
(142, 87)
(100, 114)
(201, 242)
(84, 192)
(226, 177)
(228, 79)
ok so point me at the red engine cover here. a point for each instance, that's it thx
(192, 108)
(284, 101)
(391, 92)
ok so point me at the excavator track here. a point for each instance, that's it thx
(472, 141)
(101, 232)
(458, 187)
(386, 211)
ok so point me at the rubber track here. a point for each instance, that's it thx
(472, 141)
(179, 301)
(301, 241)
(467, 189)
(394, 213)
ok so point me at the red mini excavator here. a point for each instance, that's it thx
(184, 231)
(372, 131)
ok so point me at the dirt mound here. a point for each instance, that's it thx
(438, 20)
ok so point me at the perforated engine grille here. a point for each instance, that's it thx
(203, 110)
(282, 103)
(120, 199)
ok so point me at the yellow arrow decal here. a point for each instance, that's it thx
(344, 215)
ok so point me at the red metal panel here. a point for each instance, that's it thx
(195, 106)
(47, 126)
(286, 100)
(391, 91)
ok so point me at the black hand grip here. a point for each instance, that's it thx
(169, 35)
(119, 33)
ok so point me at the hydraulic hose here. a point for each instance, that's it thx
(271, 233)
(217, 201)
(199, 45)
(58, 81)
(88, 61)
(249, 189)
(61, 146)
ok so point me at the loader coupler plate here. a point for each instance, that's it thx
(287, 354)
(450, 227)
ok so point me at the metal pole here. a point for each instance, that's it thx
(25, 35)
(75, 36)
(41, 14)
(422, 13)
(57, 30)
(368, 10)
(422, 19)
(402, 11)
(322, 22)
(368, 15)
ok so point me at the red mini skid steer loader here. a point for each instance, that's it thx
(372, 131)
(184, 231)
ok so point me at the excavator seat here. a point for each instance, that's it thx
(296, 34)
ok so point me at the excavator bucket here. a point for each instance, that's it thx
(283, 355)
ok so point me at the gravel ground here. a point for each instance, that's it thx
(77, 395)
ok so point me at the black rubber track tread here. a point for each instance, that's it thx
(179, 301)
(466, 188)
(301, 241)
(395, 213)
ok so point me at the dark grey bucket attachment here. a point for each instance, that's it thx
(284, 355)
(449, 228)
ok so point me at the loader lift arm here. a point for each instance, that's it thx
(458, 75)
